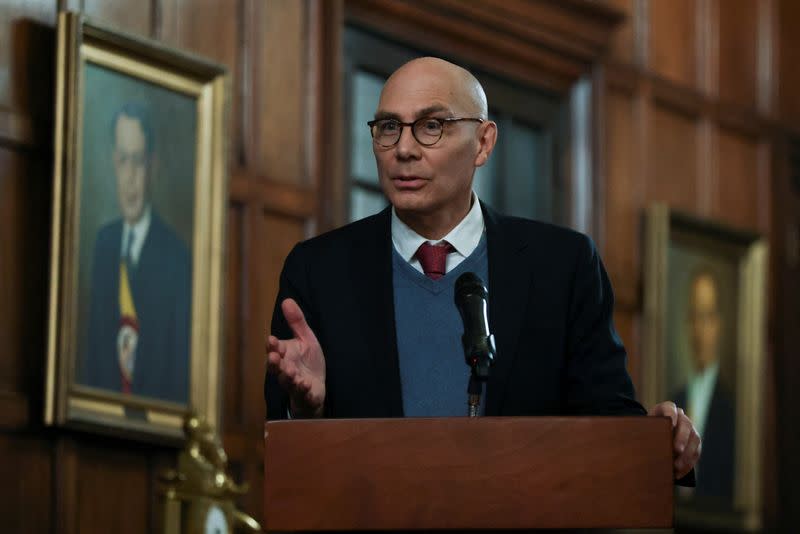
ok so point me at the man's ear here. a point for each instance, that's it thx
(487, 138)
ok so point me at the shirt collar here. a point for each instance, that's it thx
(464, 237)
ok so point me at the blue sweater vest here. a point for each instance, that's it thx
(433, 372)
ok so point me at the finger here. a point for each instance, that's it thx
(686, 461)
(277, 345)
(666, 409)
(272, 344)
(682, 433)
(296, 320)
(273, 363)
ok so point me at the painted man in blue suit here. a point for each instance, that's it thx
(706, 397)
(138, 339)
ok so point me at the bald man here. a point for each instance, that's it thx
(365, 325)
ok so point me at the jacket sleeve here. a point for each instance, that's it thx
(597, 381)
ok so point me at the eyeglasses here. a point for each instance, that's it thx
(427, 130)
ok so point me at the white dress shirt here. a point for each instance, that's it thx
(464, 238)
(699, 394)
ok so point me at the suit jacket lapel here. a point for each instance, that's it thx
(509, 282)
(375, 297)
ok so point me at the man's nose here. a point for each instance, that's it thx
(407, 146)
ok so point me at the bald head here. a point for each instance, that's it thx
(455, 86)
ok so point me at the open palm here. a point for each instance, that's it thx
(299, 363)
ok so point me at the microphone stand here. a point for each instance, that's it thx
(474, 390)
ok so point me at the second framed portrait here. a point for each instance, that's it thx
(704, 318)
(138, 211)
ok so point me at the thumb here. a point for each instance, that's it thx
(296, 320)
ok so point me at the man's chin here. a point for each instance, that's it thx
(132, 216)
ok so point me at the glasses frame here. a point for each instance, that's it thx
(440, 120)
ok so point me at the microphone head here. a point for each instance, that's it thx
(469, 285)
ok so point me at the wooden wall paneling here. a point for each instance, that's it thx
(279, 95)
(16, 52)
(26, 472)
(493, 47)
(326, 108)
(707, 161)
(24, 236)
(672, 160)
(673, 36)
(65, 494)
(737, 191)
(27, 44)
(623, 44)
(623, 198)
(738, 52)
(788, 59)
(785, 327)
(129, 16)
(112, 488)
(767, 59)
(236, 297)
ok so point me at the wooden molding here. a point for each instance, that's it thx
(291, 200)
(548, 43)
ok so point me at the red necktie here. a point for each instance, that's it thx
(434, 258)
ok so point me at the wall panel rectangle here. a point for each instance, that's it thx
(20, 57)
(737, 195)
(672, 160)
(24, 243)
(673, 40)
(113, 489)
(738, 50)
(26, 491)
(279, 100)
(236, 299)
(622, 201)
(789, 59)
(623, 44)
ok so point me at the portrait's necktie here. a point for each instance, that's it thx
(434, 258)
(129, 249)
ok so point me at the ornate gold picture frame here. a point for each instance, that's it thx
(705, 294)
(139, 200)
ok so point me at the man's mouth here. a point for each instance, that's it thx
(408, 182)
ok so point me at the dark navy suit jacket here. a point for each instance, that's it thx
(550, 310)
(161, 288)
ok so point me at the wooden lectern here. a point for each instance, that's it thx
(468, 473)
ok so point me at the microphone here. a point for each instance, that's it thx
(471, 297)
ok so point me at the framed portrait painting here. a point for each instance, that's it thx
(139, 199)
(705, 298)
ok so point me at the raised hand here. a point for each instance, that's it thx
(299, 364)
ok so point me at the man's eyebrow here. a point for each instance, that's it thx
(380, 115)
(430, 110)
